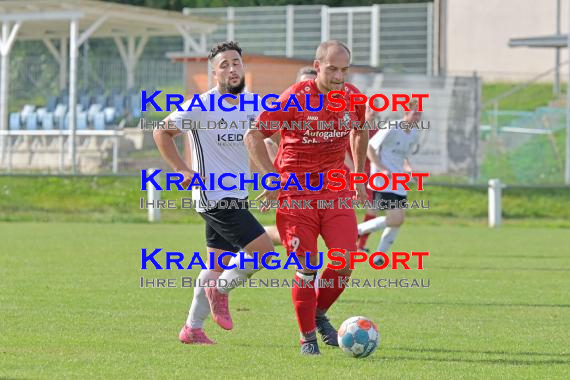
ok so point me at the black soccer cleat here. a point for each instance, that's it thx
(379, 260)
(328, 333)
(310, 348)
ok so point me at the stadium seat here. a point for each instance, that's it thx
(110, 115)
(32, 121)
(15, 121)
(51, 103)
(119, 103)
(85, 101)
(48, 121)
(60, 111)
(93, 109)
(99, 121)
(26, 110)
(101, 99)
(135, 106)
(81, 121)
(41, 112)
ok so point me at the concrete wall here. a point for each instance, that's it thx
(478, 32)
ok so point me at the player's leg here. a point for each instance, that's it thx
(374, 224)
(394, 219)
(272, 147)
(299, 230)
(241, 229)
(248, 233)
(371, 213)
(192, 332)
(339, 230)
(273, 233)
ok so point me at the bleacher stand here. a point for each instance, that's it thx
(95, 111)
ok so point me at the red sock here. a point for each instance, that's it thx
(326, 296)
(305, 302)
(364, 238)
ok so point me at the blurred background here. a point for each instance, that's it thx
(73, 71)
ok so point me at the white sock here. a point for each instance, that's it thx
(372, 225)
(388, 237)
(232, 277)
(200, 307)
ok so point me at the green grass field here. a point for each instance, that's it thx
(117, 200)
(71, 307)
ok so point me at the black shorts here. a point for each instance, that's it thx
(231, 229)
(390, 201)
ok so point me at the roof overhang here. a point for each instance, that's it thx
(43, 19)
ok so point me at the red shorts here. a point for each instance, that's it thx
(300, 228)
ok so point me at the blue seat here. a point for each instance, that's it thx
(51, 103)
(60, 111)
(101, 99)
(81, 121)
(48, 121)
(110, 115)
(118, 103)
(41, 112)
(85, 101)
(135, 106)
(15, 123)
(93, 109)
(32, 121)
(99, 121)
(27, 109)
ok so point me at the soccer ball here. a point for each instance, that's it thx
(358, 337)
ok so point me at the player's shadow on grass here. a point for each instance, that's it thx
(449, 351)
(478, 304)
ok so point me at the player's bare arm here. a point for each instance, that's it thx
(255, 143)
(407, 166)
(373, 157)
(359, 145)
(348, 162)
(164, 139)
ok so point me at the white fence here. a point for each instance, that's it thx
(398, 38)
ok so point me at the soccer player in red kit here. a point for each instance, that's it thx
(312, 151)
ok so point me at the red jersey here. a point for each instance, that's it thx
(313, 148)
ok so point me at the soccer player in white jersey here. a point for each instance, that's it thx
(388, 151)
(220, 150)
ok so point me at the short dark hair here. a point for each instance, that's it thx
(220, 47)
(310, 70)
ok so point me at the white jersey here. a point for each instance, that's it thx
(217, 150)
(392, 147)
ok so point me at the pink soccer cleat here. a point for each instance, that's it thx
(219, 307)
(193, 336)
